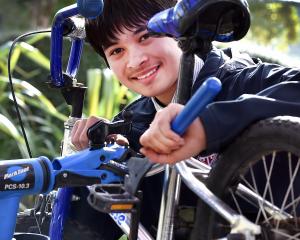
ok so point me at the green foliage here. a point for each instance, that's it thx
(105, 96)
(41, 119)
(123, 237)
(275, 24)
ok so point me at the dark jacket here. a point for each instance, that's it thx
(249, 89)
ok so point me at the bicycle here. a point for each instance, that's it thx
(239, 225)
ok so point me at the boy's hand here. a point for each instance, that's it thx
(79, 136)
(162, 145)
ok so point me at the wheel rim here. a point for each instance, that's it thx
(276, 178)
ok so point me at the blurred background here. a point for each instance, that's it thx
(274, 36)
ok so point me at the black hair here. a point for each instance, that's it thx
(119, 14)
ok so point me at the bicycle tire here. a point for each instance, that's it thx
(275, 134)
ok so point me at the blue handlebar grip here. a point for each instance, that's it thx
(204, 95)
(90, 8)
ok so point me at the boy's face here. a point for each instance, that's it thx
(146, 65)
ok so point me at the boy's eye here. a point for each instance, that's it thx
(116, 51)
(144, 37)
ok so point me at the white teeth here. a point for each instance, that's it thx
(148, 74)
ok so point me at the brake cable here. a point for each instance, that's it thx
(12, 87)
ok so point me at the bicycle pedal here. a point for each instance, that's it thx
(112, 198)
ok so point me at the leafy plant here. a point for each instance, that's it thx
(41, 119)
(274, 23)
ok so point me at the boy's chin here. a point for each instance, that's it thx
(148, 95)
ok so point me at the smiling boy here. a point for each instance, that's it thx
(150, 66)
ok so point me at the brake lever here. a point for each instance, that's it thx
(98, 132)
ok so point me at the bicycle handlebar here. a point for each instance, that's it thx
(87, 9)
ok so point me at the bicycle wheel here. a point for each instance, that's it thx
(265, 159)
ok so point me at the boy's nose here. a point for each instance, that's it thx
(136, 59)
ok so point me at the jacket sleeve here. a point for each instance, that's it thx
(247, 96)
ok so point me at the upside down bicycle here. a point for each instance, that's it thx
(249, 168)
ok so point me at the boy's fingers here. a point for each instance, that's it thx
(81, 140)
(76, 133)
(79, 136)
(163, 131)
(158, 158)
(160, 138)
(158, 142)
(151, 155)
(73, 133)
(118, 138)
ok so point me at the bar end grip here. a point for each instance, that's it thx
(90, 8)
(203, 96)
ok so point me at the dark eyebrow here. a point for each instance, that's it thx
(137, 31)
(140, 29)
(109, 44)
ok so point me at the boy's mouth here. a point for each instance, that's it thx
(148, 74)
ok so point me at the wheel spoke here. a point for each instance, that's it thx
(268, 176)
(235, 201)
(261, 209)
(292, 192)
(295, 203)
(289, 187)
(289, 237)
(259, 204)
(247, 183)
